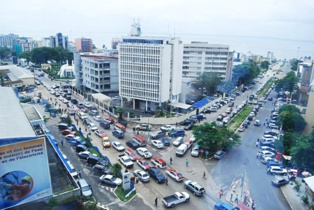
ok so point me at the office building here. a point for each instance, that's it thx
(201, 57)
(96, 73)
(150, 69)
(8, 40)
(305, 72)
(84, 45)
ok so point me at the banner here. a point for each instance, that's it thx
(24, 173)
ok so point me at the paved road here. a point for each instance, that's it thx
(241, 162)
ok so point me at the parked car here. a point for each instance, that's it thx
(219, 154)
(143, 164)
(158, 144)
(178, 141)
(143, 127)
(165, 141)
(194, 187)
(157, 134)
(132, 144)
(195, 151)
(142, 175)
(175, 199)
(186, 122)
(160, 163)
(280, 181)
(144, 152)
(125, 160)
(241, 128)
(167, 128)
(97, 118)
(131, 154)
(100, 133)
(118, 133)
(84, 155)
(67, 132)
(189, 127)
(276, 170)
(174, 174)
(118, 146)
(156, 174)
(110, 179)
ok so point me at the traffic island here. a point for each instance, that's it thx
(124, 196)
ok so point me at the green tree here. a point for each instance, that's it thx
(290, 118)
(288, 141)
(246, 73)
(287, 83)
(303, 150)
(27, 56)
(209, 80)
(120, 112)
(264, 64)
(4, 52)
(294, 64)
(213, 138)
(116, 168)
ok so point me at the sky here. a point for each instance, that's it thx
(285, 27)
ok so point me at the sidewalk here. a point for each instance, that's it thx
(292, 196)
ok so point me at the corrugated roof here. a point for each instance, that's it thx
(13, 121)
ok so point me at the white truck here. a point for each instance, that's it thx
(175, 199)
(126, 161)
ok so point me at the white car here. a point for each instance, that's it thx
(158, 144)
(52, 92)
(167, 128)
(178, 141)
(141, 175)
(118, 146)
(192, 138)
(276, 170)
(241, 128)
(92, 126)
(97, 118)
(100, 133)
(110, 179)
(266, 153)
(144, 152)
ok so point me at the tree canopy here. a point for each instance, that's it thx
(290, 118)
(246, 72)
(213, 138)
(287, 83)
(294, 64)
(303, 151)
(44, 54)
(264, 64)
(209, 80)
(4, 52)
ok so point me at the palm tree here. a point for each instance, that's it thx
(116, 168)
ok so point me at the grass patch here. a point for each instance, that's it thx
(263, 70)
(266, 88)
(121, 194)
(237, 120)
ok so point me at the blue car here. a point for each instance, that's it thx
(156, 174)
(75, 142)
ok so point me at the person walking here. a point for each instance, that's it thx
(62, 143)
(204, 175)
(170, 160)
(252, 204)
(156, 201)
(220, 193)
(186, 162)
(166, 180)
(133, 129)
(257, 143)
(236, 199)
(231, 195)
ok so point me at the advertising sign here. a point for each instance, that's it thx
(24, 173)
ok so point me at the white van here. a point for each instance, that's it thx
(86, 191)
(181, 150)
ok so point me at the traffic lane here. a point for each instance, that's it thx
(87, 173)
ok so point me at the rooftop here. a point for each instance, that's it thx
(12, 117)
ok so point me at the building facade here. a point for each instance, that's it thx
(201, 57)
(150, 70)
(84, 45)
(8, 40)
(305, 72)
(96, 73)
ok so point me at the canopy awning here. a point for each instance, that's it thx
(200, 103)
(102, 98)
(286, 157)
(180, 105)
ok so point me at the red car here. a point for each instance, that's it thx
(143, 164)
(67, 132)
(110, 119)
(160, 163)
(131, 154)
(174, 174)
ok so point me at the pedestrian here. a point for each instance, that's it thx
(156, 201)
(62, 143)
(253, 207)
(186, 162)
(166, 180)
(257, 144)
(170, 160)
(204, 175)
(76, 121)
(231, 195)
(236, 199)
(133, 129)
(257, 155)
(264, 123)
(220, 194)
(90, 187)
(257, 139)
(252, 204)
(266, 119)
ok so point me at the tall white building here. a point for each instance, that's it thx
(200, 57)
(96, 72)
(150, 70)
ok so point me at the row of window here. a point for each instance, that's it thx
(140, 50)
(140, 60)
(206, 53)
(139, 77)
(139, 69)
(135, 93)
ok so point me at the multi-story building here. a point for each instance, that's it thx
(61, 41)
(84, 45)
(201, 57)
(8, 40)
(150, 69)
(115, 42)
(305, 71)
(96, 72)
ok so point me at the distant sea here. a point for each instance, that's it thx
(282, 48)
